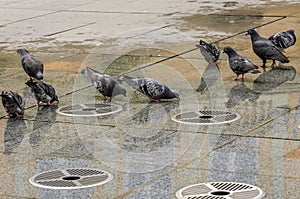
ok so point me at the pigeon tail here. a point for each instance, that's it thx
(282, 58)
(22, 52)
(129, 81)
(254, 71)
(176, 94)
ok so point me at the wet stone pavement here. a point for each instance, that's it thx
(149, 154)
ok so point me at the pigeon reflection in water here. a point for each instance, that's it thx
(13, 134)
(273, 78)
(147, 123)
(240, 93)
(210, 76)
(154, 112)
(44, 120)
(264, 83)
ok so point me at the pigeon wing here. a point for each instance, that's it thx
(32, 66)
(19, 102)
(268, 50)
(152, 88)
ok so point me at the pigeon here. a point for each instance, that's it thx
(283, 40)
(239, 64)
(211, 53)
(31, 65)
(209, 77)
(13, 104)
(153, 89)
(266, 49)
(105, 84)
(43, 92)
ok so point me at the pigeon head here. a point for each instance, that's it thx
(87, 71)
(254, 35)
(228, 50)
(22, 51)
(251, 32)
(291, 31)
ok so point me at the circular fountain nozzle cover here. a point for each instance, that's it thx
(220, 190)
(206, 117)
(85, 110)
(72, 178)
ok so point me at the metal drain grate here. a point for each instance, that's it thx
(73, 178)
(220, 190)
(206, 117)
(89, 109)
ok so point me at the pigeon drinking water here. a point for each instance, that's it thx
(283, 40)
(153, 89)
(105, 84)
(31, 65)
(266, 49)
(43, 92)
(239, 64)
(13, 104)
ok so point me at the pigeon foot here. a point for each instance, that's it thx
(156, 100)
(273, 65)
(52, 104)
(19, 116)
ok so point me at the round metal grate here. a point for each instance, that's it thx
(89, 109)
(206, 117)
(220, 190)
(73, 178)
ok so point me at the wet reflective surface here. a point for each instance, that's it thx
(149, 154)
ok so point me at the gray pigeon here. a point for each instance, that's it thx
(105, 84)
(283, 40)
(153, 89)
(31, 65)
(266, 49)
(211, 53)
(13, 104)
(239, 64)
(43, 92)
